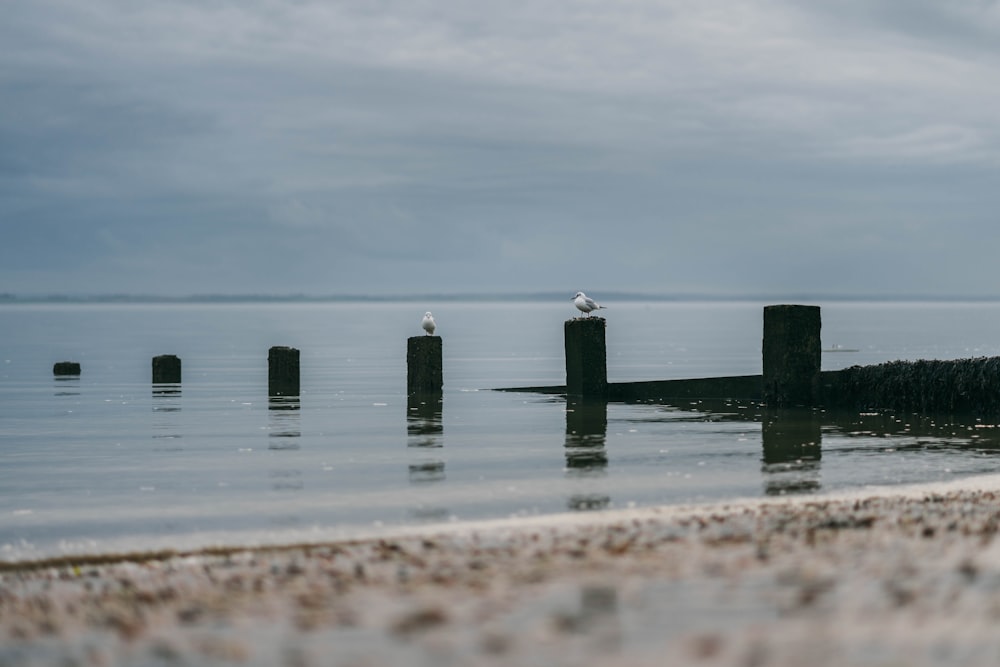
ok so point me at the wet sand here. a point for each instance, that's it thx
(904, 576)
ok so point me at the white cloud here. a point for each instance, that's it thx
(938, 143)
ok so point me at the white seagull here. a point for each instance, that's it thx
(428, 323)
(585, 304)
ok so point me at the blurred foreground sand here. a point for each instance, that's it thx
(907, 576)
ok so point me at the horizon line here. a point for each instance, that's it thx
(621, 295)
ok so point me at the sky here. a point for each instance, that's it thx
(669, 147)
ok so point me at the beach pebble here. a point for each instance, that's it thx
(825, 580)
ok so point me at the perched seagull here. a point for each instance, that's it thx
(585, 304)
(429, 324)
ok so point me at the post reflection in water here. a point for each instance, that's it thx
(67, 385)
(427, 471)
(586, 456)
(284, 428)
(166, 403)
(283, 433)
(424, 427)
(425, 433)
(792, 444)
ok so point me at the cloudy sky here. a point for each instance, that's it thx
(401, 146)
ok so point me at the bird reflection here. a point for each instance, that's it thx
(792, 444)
(285, 428)
(586, 457)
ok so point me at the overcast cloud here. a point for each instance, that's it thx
(400, 146)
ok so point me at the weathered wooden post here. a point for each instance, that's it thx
(66, 368)
(586, 357)
(791, 356)
(424, 368)
(283, 371)
(166, 369)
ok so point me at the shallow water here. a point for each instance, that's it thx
(106, 461)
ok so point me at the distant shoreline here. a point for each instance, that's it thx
(610, 296)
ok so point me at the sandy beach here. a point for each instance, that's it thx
(895, 576)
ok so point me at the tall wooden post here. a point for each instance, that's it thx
(283, 371)
(791, 356)
(424, 367)
(586, 357)
(166, 369)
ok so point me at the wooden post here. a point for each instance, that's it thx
(283, 371)
(791, 356)
(424, 367)
(166, 369)
(66, 368)
(586, 357)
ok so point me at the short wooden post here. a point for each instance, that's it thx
(66, 368)
(791, 355)
(283, 371)
(166, 369)
(586, 357)
(424, 366)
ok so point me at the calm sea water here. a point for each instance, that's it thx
(108, 462)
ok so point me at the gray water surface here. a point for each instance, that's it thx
(106, 461)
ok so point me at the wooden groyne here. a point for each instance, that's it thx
(748, 387)
(792, 377)
(961, 386)
(738, 387)
(423, 356)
